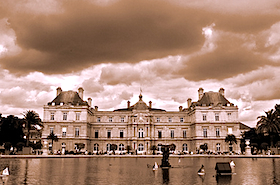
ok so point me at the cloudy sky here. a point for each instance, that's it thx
(112, 48)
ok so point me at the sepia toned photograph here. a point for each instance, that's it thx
(136, 92)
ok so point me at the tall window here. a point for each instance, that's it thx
(217, 132)
(169, 119)
(110, 119)
(140, 147)
(95, 147)
(64, 129)
(217, 118)
(108, 133)
(158, 120)
(64, 115)
(159, 147)
(121, 147)
(52, 116)
(77, 132)
(218, 147)
(108, 147)
(51, 130)
(204, 132)
(204, 117)
(78, 114)
(121, 133)
(159, 134)
(229, 130)
(172, 133)
(184, 134)
(98, 119)
(181, 120)
(185, 147)
(96, 134)
(141, 133)
(122, 119)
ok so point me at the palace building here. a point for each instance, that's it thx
(140, 126)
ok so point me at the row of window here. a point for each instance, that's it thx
(64, 131)
(110, 119)
(217, 116)
(140, 147)
(217, 132)
(140, 133)
(65, 116)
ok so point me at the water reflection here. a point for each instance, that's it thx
(134, 171)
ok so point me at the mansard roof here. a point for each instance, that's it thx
(140, 105)
(212, 98)
(68, 97)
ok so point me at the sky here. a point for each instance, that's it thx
(116, 48)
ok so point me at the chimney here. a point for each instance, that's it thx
(222, 91)
(189, 102)
(58, 91)
(128, 104)
(150, 104)
(89, 101)
(81, 92)
(96, 108)
(200, 93)
(180, 108)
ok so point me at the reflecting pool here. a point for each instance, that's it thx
(75, 171)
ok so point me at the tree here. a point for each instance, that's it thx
(269, 125)
(128, 148)
(204, 147)
(80, 146)
(230, 139)
(113, 147)
(153, 148)
(52, 137)
(32, 121)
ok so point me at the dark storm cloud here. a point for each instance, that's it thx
(230, 58)
(85, 34)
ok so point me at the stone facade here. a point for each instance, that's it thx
(141, 126)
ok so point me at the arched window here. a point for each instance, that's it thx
(218, 147)
(185, 147)
(95, 147)
(108, 148)
(140, 147)
(121, 147)
(141, 133)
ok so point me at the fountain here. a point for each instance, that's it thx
(164, 161)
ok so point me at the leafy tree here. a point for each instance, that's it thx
(80, 146)
(153, 148)
(230, 139)
(32, 121)
(204, 147)
(128, 148)
(52, 137)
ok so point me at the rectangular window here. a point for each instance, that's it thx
(51, 130)
(204, 117)
(96, 134)
(77, 132)
(121, 133)
(181, 120)
(159, 134)
(169, 119)
(229, 130)
(122, 119)
(52, 116)
(172, 133)
(110, 119)
(217, 132)
(184, 134)
(108, 133)
(98, 119)
(158, 120)
(78, 114)
(205, 132)
(64, 129)
(216, 116)
(65, 116)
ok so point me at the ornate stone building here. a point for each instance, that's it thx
(140, 126)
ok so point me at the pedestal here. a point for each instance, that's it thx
(248, 150)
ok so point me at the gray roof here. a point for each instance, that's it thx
(212, 98)
(68, 97)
